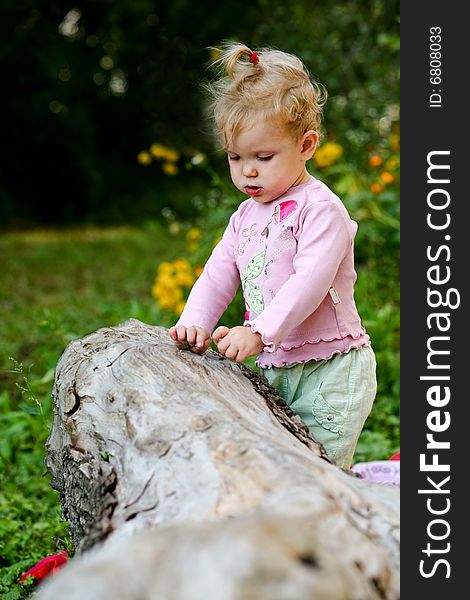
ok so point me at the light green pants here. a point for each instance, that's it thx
(333, 397)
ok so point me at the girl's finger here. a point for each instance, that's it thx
(177, 333)
(201, 339)
(223, 346)
(231, 353)
(181, 333)
(220, 333)
(191, 335)
(201, 349)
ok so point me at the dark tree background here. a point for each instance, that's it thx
(88, 84)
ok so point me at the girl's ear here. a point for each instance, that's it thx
(309, 144)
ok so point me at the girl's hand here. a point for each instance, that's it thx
(237, 343)
(194, 338)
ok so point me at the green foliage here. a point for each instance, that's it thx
(30, 523)
(67, 284)
(96, 82)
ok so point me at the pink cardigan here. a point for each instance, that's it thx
(294, 257)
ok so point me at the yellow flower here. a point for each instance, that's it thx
(193, 234)
(395, 142)
(172, 155)
(198, 270)
(376, 188)
(181, 264)
(165, 267)
(179, 307)
(156, 291)
(144, 157)
(164, 152)
(327, 154)
(166, 302)
(158, 150)
(165, 283)
(172, 279)
(184, 279)
(392, 163)
(387, 177)
(172, 292)
(170, 168)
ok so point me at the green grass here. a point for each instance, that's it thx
(56, 286)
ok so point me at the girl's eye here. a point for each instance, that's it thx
(233, 157)
(265, 157)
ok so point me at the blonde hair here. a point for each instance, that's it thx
(273, 85)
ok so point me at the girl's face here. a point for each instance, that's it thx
(265, 161)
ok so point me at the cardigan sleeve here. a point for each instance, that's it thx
(325, 235)
(217, 284)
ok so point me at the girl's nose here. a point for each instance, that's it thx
(249, 170)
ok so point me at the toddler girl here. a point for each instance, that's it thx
(290, 244)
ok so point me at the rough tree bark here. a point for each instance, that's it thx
(186, 477)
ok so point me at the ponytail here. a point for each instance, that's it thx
(267, 84)
(236, 60)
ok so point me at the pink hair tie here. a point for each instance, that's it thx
(254, 58)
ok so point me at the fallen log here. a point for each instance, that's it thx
(186, 477)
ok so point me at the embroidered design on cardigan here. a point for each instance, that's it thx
(286, 242)
(248, 234)
(252, 293)
(284, 210)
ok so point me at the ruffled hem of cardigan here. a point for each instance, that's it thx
(299, 362)
(270, 346)
(354, 335)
